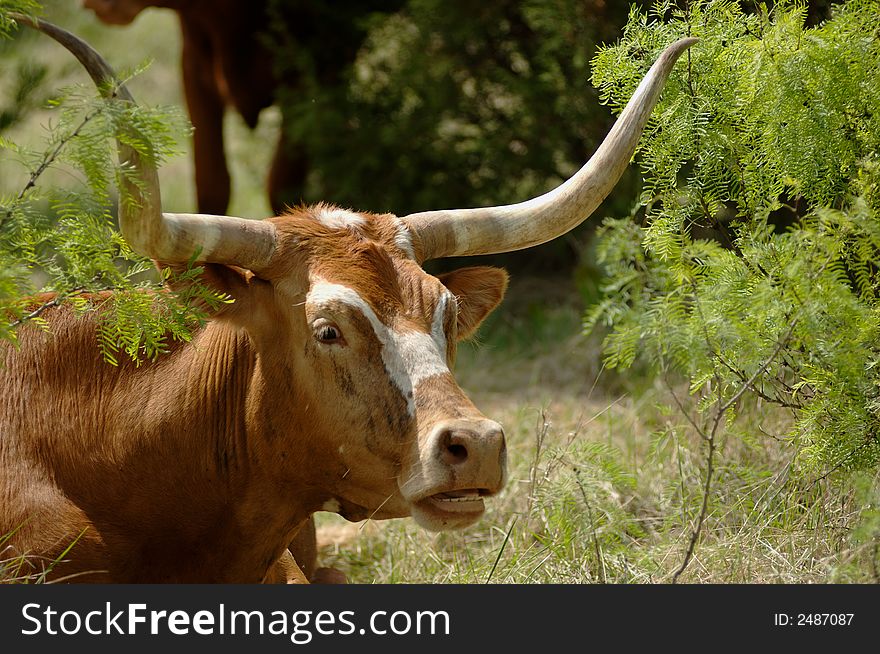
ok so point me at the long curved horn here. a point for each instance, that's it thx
(171, 237)
(489, 230)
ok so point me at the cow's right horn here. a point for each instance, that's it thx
(169, 237)
(489, 230)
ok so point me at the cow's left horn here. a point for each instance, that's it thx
(169, 237)
(489, 230)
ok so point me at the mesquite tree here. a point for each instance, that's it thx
(751, 267)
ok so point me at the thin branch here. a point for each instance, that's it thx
(680, 406)
(57, 300)
(750, 382)
(710, 457)
(707, 483)
(837, 466)
(759, 392)
(600, 560)
(49, 158)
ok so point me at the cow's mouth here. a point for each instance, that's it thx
(450, 509)
(461, 501)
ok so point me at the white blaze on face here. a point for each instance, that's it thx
(410, 357)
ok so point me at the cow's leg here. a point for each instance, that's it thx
(304, 548)
(328, 576)
(206, 107)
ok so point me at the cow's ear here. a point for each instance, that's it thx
(479, 290)
(239, 287)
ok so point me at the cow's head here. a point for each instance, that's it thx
(365, 339)
(350, 329)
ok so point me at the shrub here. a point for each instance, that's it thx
(750, 265)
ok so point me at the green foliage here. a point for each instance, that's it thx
(450, 103)
(754, 272)
(63, 240)
(7, 23)
(27, 76)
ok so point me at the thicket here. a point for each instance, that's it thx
(452, 103)
(750, 264)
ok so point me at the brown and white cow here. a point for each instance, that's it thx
(326, 385)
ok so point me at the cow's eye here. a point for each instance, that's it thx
(328, 334)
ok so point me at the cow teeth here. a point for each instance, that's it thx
(464, 498)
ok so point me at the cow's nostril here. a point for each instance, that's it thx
(455, 454)
(453, 450)
(468, 446)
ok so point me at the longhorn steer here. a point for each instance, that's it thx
(325, 385)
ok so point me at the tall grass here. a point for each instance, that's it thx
(22, 568)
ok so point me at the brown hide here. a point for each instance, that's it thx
(143, 467)
(202, 465)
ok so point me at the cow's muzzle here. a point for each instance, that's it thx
(462, 462)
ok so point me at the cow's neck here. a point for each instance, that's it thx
(217, 450)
